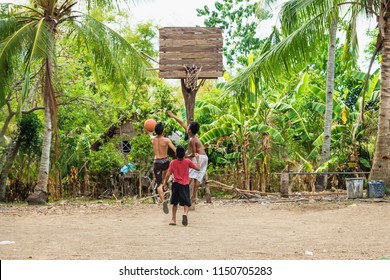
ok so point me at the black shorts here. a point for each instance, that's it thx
(159, 166)
(180, 194)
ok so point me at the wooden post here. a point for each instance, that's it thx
(189, 97)
(206, 188)
(285, 189)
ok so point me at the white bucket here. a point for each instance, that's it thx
(354, 187)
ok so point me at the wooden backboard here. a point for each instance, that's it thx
(201, 46)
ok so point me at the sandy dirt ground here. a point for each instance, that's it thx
(223, 230)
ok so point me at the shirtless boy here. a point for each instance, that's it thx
(161, 161)
(195, 147)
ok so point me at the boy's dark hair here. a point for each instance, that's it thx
(180, 152)
(194, 127)
(159, 128)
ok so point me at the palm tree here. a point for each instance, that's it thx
(303, 23)
(379, 9)
(381, 167)
(29, 36)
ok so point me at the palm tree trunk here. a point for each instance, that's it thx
(325, 154)
(381, 162)
(40, 191)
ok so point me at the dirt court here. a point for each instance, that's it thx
(223, 230)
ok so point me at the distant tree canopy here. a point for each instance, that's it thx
(239, 22)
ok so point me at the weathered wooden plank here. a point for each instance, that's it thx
(212, 67)
(200, 36)
(195, 61)
(203, 59)
(181, 43)
(182, 75)
(185, 49)
(175, 68)
(189, 30)
(196, 55)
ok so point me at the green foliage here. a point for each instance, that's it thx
(30, 128)
(142, 38)
(107, 160)
(141, 152)
(239, 23)
(162, 100)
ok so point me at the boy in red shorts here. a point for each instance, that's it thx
(180, 186)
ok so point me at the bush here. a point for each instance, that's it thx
(105, 161)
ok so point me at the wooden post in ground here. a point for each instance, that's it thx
(285, 188)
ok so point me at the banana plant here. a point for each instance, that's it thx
(247, 128)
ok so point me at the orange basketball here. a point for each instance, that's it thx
(150, 124)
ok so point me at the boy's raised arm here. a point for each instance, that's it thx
(170, 144)
(170, 114)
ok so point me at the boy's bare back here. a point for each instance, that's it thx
(160, 146)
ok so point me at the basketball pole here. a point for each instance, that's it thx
(189, 97)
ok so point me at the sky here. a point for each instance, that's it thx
(171, 13)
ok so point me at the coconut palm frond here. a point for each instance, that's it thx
(120, 61)
(41, 43)
(12, 49)
(290, 53)
(351, 47)
(40, 47)
(294, 13)
(8, 23)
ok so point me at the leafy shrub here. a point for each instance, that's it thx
(141, 151)
(106, 160)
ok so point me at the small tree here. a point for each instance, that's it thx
(141, 155)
